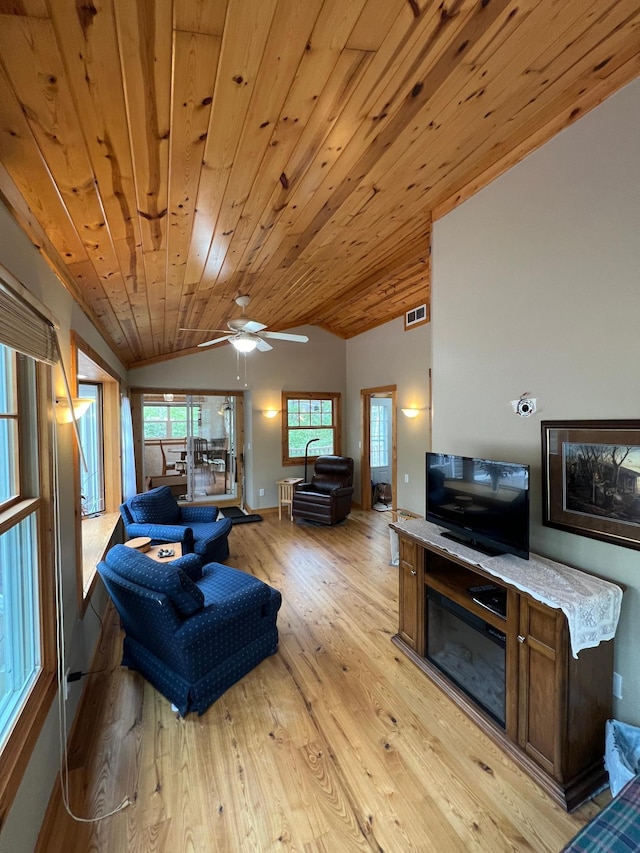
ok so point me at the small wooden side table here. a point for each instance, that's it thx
(285, 494)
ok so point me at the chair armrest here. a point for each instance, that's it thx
(301, 487)
(213, 618)
(342, 491)
(218, 529)
(190, 564)
(198, 514)
(163, 533)
(325, 491)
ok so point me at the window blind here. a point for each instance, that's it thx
(23, 329)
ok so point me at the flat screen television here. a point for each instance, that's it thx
(481, 502)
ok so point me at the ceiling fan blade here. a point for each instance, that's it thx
(263, 346)
(283, 336)
(253, 326)
(215, 341)
(222, 331)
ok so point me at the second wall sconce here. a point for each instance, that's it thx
(63, 409)
(411, 413)
(270, 413)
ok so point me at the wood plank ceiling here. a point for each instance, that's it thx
(169, 155)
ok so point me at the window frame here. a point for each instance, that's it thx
(169, 405)
(382, 440)
(99, 453)
(91, 547)
(336, 400)
(26, 729)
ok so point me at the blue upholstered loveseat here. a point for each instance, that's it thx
(191, 631)
(157, 514)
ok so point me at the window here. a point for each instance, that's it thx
(169, 420)
(19, 611)
(310, 418)
(8, 426)
(20, 631)
(92, 441)
(379, 440)
(99, 485)
(26, 595)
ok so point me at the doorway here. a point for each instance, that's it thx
(191, 442)
(379, 462)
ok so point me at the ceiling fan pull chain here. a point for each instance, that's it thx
(238, 364)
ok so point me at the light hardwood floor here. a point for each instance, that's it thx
(336, 743)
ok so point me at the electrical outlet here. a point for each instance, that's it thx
(261, 493)
(406, 478)
(66, 683)
(617, 685)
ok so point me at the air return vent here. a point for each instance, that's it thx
(416, 316)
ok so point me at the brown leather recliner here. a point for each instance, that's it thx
(327, 498)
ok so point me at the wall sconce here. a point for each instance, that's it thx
(64, 412)
(270, 413)
(411, 413)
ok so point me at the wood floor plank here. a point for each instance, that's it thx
(336, 743)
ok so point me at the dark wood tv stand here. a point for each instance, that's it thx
(556, 705)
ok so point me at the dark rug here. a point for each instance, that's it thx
(237, 516)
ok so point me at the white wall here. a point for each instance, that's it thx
(19, 256)
(389, 355)
(318, 365)
(536, 288)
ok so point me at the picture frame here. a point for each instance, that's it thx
(591, 479)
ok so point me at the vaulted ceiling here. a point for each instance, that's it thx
(168, 155)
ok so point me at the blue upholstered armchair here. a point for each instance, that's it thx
(192, 632)
(157, 514)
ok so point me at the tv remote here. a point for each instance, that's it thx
(487, 587)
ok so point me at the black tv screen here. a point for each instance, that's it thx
(482, 502)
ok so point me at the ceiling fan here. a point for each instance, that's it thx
(247, 334)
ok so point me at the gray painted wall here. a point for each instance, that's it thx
(389, 355)
(536, 288)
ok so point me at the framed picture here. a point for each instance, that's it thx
(591, 479)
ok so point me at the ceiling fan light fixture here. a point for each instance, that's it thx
(244, 343)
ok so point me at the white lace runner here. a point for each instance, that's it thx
(591, 605)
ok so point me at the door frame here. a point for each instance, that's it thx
(366, 395)
(137, 396)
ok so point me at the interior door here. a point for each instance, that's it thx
(379, 458)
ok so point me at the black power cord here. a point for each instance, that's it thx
(78, 674)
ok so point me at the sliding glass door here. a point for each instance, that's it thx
(190, 443)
